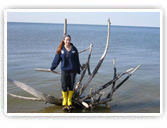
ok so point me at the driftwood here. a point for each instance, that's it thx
(98, 65)
(90, 100)
(46, 70)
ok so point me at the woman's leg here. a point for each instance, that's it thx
(64, 81)
(72, 76)
(64, 87)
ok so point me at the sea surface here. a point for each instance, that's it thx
(33, 45)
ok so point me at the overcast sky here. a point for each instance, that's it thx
(150, 19)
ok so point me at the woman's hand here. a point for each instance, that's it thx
(50, 70)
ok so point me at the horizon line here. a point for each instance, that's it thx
(81, 24)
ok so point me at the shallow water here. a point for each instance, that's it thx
(33, 45)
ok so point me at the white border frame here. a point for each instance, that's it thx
(82, 10)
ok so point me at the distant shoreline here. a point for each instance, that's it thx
(84, 24)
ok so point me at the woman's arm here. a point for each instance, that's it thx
(55, 62)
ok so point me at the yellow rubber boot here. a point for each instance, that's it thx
(70, 94)
(64, 103)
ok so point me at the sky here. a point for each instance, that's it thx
(122, 18)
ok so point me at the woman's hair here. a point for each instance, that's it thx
(66, 36)
(61, 44)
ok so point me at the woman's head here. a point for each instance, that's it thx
(67, 39)
(66, 36)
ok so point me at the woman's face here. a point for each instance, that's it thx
(67, 40)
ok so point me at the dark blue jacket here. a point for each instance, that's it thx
(69, 60)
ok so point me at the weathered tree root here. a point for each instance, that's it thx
(90, 100)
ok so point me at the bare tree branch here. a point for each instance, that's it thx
(125, 79)
(106, 85)
(26, 98)
(40, 96)
(89, 59)
(99, 64)
(46, 70)
(76, 94)
(65, 27)
(28, 89)
(115, 74)
(84, 50)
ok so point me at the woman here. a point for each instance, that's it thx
(70, 66)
